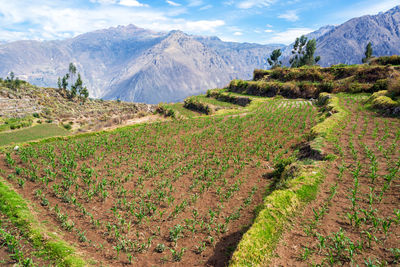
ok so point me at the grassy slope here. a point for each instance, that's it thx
(33, 133)
(258, 244)
(17, 210)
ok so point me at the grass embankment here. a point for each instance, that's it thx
(196, 106)
(33, 133)
(259, 242)
(174, 181)
(309, 82)
(17, 210)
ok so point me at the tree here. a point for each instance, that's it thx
(273, 59)
(84, 93)
(72, 70)
(59, 84)
(76, 86)
(368, 53)
(303, 52)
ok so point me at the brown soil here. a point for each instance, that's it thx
(191, 156)
(379, 134)
(27, 249)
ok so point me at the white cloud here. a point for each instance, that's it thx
(288, 36)
(131, 3)
(238, 33)
(290, 15)
(58, 20)
(254, 3)
(206, 7)
(268, 31)
(172, 3)
(203, 25)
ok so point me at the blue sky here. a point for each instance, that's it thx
(261, 21)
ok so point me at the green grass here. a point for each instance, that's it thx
(213, 101)
(18, 211)
(183, 111)
(14, 123)
(258, 244)
(32, 133)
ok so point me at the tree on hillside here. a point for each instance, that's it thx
(72, 72)
(76, 86)
(303, 52)
(273, 59)
(368, 53)
(13, 82)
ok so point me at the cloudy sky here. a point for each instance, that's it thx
(261, 21)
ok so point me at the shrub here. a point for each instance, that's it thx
(67, 126)
(241, 101)
(308, 89)
(166, 111)
(326, 87)
(388, 60)
(36, 115)
(193, 104)
(260, 74)
(394, 87)
(380, 85)
(355, 87)
(384, 102)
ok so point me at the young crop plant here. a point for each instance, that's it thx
(138, 187)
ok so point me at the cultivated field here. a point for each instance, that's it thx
(182, 191)
(241, 176)
(356, 219)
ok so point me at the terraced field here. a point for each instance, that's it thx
(181, 191)
(356, 219)
(241, 176)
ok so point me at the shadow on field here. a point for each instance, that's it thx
(224, 249)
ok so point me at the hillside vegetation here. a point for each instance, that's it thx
(23, 105)
(296, 167)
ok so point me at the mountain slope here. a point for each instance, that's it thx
(346, 43)
(135, 64)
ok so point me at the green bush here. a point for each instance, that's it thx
(166, 111)
(193, 104)
(380, 85)
(384, 102)
(388, 60)
(67, 126)
(326, 87)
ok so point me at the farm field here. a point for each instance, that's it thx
(32, 133)
(356, 218)
(15, 248)
(177, 192)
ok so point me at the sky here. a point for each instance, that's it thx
(254, 21)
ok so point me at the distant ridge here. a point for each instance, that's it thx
(346, 43)
(135, 64)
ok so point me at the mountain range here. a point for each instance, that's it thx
(135, 64)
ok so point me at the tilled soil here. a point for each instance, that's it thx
(23, 251)
(324, 233)
(211, 171)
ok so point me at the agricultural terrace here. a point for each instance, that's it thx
(180, 191)
(356, 218)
